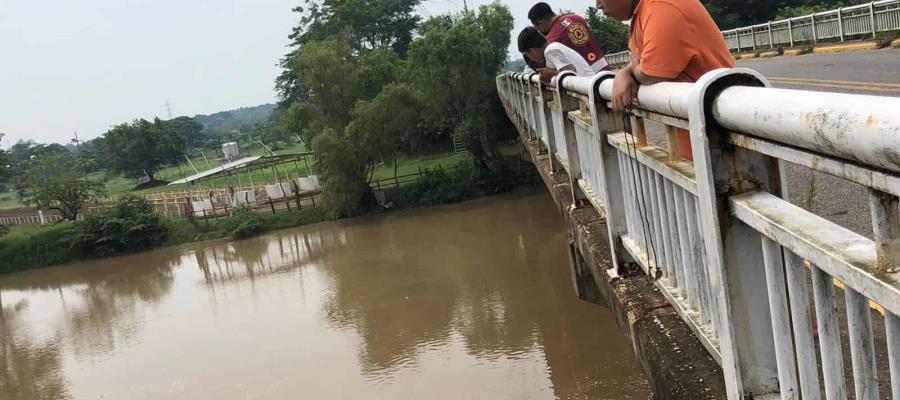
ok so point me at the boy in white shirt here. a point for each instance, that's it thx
(557, 56)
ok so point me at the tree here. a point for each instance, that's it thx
(453, 66)
(612, 34)
(336, 81)
(271, 133)
(24, 150)
(388, 126)
(343, 160)
(142, 147)
(363, 25)
(730, 14)
(188, 129)
(5, 170)
(131, 225)
(806, 9)
(57, 182)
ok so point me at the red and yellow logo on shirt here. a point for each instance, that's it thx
(578, 34)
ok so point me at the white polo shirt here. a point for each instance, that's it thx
(559, 55)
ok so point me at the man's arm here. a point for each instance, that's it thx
(645, 79)
(627, 82)
(665, 54)
(548, 73)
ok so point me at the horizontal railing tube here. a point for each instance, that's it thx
(670, 98)
(578, 84)
(861, 128)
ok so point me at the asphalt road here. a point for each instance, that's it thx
(875, 72)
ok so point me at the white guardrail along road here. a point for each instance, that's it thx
(752, 274)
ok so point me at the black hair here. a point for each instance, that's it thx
(530, 38)
(540, 12)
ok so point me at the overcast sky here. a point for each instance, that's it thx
(68, 66)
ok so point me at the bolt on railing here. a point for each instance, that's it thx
(732, 256)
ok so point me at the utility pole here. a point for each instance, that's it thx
(77, 142)
(169, 108)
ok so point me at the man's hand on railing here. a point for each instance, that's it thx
(547, 74)
(625, 88)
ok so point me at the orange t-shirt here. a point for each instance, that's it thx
(677, 39)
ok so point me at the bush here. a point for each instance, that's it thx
(4, 230)
(131, 225)
(43, 248)
(465, 182)
(244, 223)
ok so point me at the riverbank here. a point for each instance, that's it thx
(37, 248)
(434, 302)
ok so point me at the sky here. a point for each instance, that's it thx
(84, 66)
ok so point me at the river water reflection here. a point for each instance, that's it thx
(469, 301)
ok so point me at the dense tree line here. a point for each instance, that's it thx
(730, 14)
(612, 34)
(367, 81)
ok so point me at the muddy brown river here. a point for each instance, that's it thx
(468, 301)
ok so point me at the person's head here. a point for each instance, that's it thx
(532, 44)
(619, 10)
(541, 16)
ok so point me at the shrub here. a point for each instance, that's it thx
(465, 182)
(45, 247)
(4, 230)
(244, 223)
(131, 225)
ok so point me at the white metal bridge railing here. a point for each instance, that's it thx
(733, 257)
(846, 23)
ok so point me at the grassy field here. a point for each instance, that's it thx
(118, 185)
(26, 229)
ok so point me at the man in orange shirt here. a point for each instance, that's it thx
(670, 40)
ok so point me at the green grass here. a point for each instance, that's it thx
(26, 229)
(406, 166)
(9, 200)
(40, 247)
(118, 185)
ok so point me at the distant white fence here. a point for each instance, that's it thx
(864, 20)
(734, 258)
(39, 219)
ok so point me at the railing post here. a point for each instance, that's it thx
(771, 40)
(536, 105)
(815, 33)
(604, 122)
(840, 13)
(872, 19)
(552, 132)
(737, 33)
(566, 105)
(753, 36)
(733, 249)
(886, 227)
(791, 31)
(545, 117)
